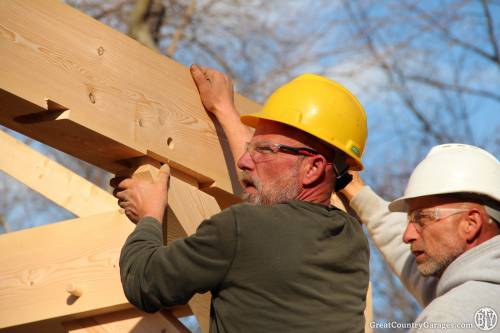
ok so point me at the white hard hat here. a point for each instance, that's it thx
(454, 168)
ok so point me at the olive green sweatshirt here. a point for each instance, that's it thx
(291, 267)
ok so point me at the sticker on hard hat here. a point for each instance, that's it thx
(355, 150)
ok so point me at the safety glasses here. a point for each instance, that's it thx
(422, 218)
(264, 151)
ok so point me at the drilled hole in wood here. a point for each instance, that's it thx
(170, 143)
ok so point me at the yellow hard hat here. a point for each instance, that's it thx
(322, 108)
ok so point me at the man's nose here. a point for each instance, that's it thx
(410, 234)
(245, 162)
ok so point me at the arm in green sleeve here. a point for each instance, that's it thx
(155, 276)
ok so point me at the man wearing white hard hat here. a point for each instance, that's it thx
(442, 237)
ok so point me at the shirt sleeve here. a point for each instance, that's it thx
(156, 276)
(386, 230)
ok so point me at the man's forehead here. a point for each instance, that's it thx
(267, 130)
(431, 201)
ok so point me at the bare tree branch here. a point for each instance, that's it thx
(216, 56)
(491, 29)
(186, 20)
(446, 33)
(454, 87)
(145, 22)
(4, 224)
(395, 75)
(112, 9)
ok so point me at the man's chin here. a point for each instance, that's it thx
(251, 198)
(427, 269)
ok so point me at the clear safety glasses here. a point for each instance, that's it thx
(422, 218)
(264, 151)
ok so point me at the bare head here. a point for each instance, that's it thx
(442, 227)
(273, 173)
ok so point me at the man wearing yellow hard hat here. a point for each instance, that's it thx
(285, 261)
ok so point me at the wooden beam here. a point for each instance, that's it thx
(77, 85)
(45, 326)
(37, 264)
(369, 309)
(130, 320)
(52, 180)
(191, 207)
(59, 249)
(84, 252)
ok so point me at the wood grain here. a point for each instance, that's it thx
(130, 320)
(52, 180)
(37, 264)
(190, 207)
(125, 94)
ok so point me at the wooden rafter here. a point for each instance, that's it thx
(52, 180)
(86, 89)
(112, 225)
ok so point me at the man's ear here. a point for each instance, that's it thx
(314, 169)
(471, 225)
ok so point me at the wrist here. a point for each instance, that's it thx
(156, 214)
(225, 111)
(351, 190)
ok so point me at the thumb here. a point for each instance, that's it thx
(197, 74)
(163, 174)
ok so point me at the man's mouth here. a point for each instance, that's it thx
(249, 186)
(419, 255)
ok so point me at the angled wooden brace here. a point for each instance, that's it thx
(52, 180)
(81, 198)
(191, 206)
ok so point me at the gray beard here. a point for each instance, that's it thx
(436, 265)
(283, 188)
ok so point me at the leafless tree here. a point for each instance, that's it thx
(426, 72)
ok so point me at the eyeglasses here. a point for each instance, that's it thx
(422, 218)
(264, 151)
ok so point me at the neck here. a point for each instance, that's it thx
(318, 194)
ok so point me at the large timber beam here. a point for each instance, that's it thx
(187, 202)
(190, 206)
(38, 264)
(129, 320)
(52, 180)
(77, 85)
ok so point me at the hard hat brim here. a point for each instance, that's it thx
(253, 119)
(401, 204)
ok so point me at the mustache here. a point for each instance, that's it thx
(415, 249)
(248, 180)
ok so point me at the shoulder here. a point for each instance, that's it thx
(461, 302)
